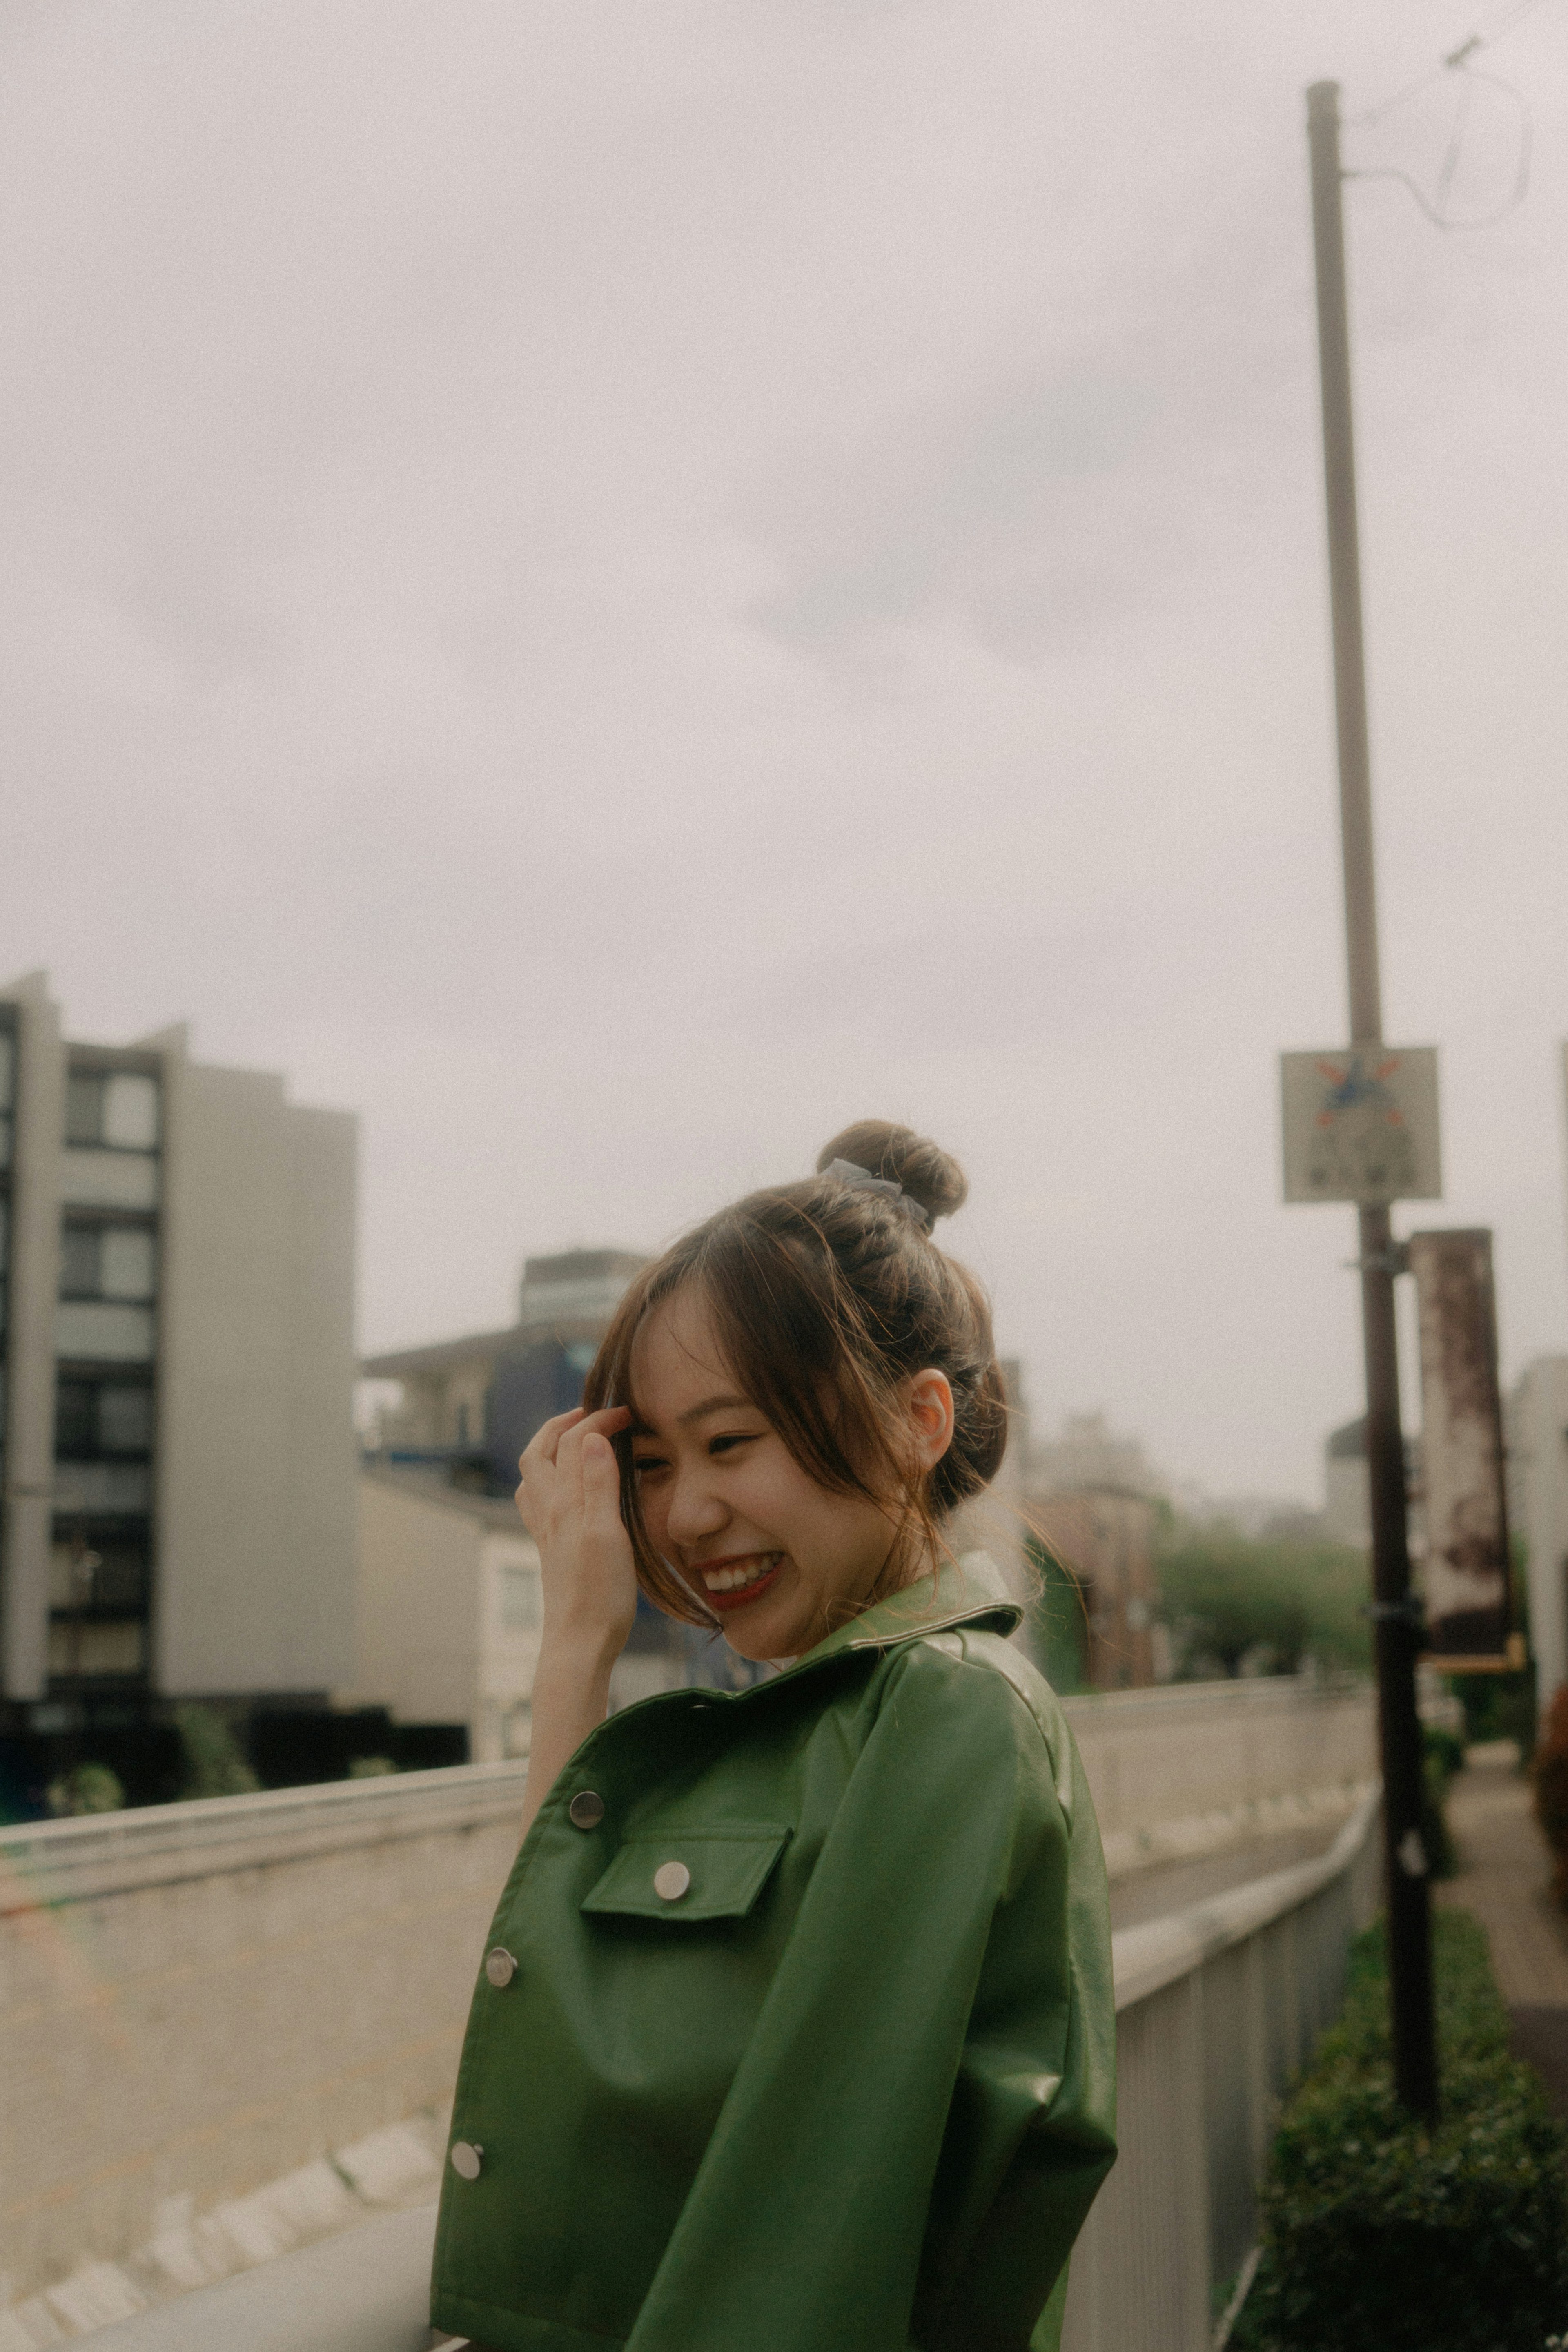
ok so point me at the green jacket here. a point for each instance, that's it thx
(842, 2079)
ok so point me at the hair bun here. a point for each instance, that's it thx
(928, 1174)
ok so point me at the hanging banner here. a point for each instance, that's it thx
(1361, 1124)
(1466, 1558)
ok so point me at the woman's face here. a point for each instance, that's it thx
(781, 1559)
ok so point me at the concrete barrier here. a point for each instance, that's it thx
(197, 2000)
(201, 2002)
(1196, 1767)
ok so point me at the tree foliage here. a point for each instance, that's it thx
(214, 1763)
(1236, 1604)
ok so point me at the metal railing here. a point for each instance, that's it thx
(1216, 2006)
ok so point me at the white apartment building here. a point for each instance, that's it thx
(176, 1286)
(449, 1609)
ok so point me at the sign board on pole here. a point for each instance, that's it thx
(1361, 1124)
(1467, 1562)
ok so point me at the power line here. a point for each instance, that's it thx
(1459, 61)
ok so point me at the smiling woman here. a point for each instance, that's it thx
(796, 2028)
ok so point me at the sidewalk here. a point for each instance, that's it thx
(1504, 1881)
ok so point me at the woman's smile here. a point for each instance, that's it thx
(741, 1577)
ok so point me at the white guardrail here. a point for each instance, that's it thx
(1215, 2008)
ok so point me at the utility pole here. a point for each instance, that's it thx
(1395, 1617)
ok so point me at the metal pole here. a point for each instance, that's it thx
(1395, 1619)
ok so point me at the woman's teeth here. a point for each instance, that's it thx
(746, 1571)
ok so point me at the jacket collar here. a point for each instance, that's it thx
(966, 1592)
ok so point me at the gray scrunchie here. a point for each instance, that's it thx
(860, 1180)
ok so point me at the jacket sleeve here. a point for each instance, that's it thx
(1031, 2129)
(922, 2075)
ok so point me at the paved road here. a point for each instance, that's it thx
(1172, 1885)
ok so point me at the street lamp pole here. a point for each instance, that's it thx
(1395, 1616)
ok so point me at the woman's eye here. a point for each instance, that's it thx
(736, 1437)
(643, 1463)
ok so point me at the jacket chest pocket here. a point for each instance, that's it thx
(689, 1873)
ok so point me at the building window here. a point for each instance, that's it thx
(107, 1262)
(116, 1107)
(84, 1108)
(125, 1420)
(101, 1417)
(79, 1262)
(112, 1141)
(98, 1585)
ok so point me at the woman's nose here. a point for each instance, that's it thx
(695, 1510)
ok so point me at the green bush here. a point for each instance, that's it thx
(85, 1789)
(1445, 1750)
(1380, 2235)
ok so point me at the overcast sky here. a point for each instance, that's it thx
(613, 587)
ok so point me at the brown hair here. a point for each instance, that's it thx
(825, 1296)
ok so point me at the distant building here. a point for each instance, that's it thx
(1087, 1456)
(1105, 1541)
(1536, 1424)
(176, 1255)
(468, 1406)
(1092, 1497)
(449, 1609)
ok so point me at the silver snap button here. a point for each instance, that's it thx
(586, 1808)
(671, 1881)
(465, 2159)
(501, 1967)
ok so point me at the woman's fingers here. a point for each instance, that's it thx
(600, 1485)
(551, 1467)
(545, 1444)
(542, 1445)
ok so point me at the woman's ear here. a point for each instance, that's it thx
(930, 1402)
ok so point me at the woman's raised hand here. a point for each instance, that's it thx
(569, 1499)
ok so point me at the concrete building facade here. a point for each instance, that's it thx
(1536, 1427)
(178, 1251)
(449, 1609)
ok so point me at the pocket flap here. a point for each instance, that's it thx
(689, 1873)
